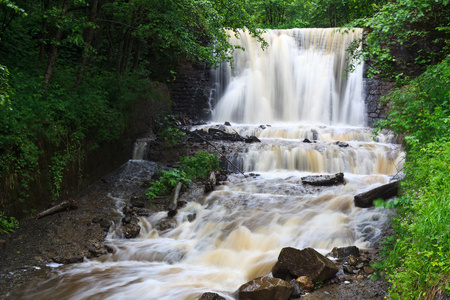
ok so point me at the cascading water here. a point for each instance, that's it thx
(223, 239)
(299, 78)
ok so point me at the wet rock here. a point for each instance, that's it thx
(297, 290)
(227, 124)
(306, 141)
(105, 224)
(97, 250)
(126, 220)
(341, 144)
(352, 260)
(294, 263)
(137, 201)
(342, 252)
(252, 139)
(172, 213)
(192, 217)
(315, 134)
(265, 288)
(211, 296)
(131, 230)
(348, 269)
(324, 180)
(262, 127)
(166, 223)
(305, 283)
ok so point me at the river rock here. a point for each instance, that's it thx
(341, 144)
(297, 290)
(264, 288)
(324, 179)
(294, 263)
(211, 296)
(132, 229)
(305, 283)
(252, 139)
(166, 223)
(343, 252)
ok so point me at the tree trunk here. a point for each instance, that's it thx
(88, 44)
(43, 33)
(54, 47)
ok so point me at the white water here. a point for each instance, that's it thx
(299, 78)
(240, 228)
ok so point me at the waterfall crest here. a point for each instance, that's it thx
(298, 78)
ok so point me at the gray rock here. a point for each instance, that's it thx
(342, 252)
(293, 263)
(265, 288)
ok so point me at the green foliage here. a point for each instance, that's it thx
(192, 168)
(58, 126)
(5, 89)
(311, 13)
(200, 165)
(419, 27)
(421, 110)
(417, 255)
(7, 224)
(169, 134)
(166, 183)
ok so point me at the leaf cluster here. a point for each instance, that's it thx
(192, 168)
(7, 224)
(404, 29)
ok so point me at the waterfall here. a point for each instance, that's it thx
(299, 77)
(309, 119)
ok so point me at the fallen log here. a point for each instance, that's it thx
(324, 180)
(222, 135)
(65, 205)
(384, 192)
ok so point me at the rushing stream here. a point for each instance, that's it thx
(296, 91)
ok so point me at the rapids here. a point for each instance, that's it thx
(296, 90)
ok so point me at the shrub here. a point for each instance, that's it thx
(192, 168)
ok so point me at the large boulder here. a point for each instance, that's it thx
(293, 263)
(265, 288)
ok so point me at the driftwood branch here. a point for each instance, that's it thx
(175, 196)
(384, 192)
(65, 205)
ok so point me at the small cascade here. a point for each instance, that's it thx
(140, 147)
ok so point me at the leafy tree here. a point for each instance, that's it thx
(402, 29)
